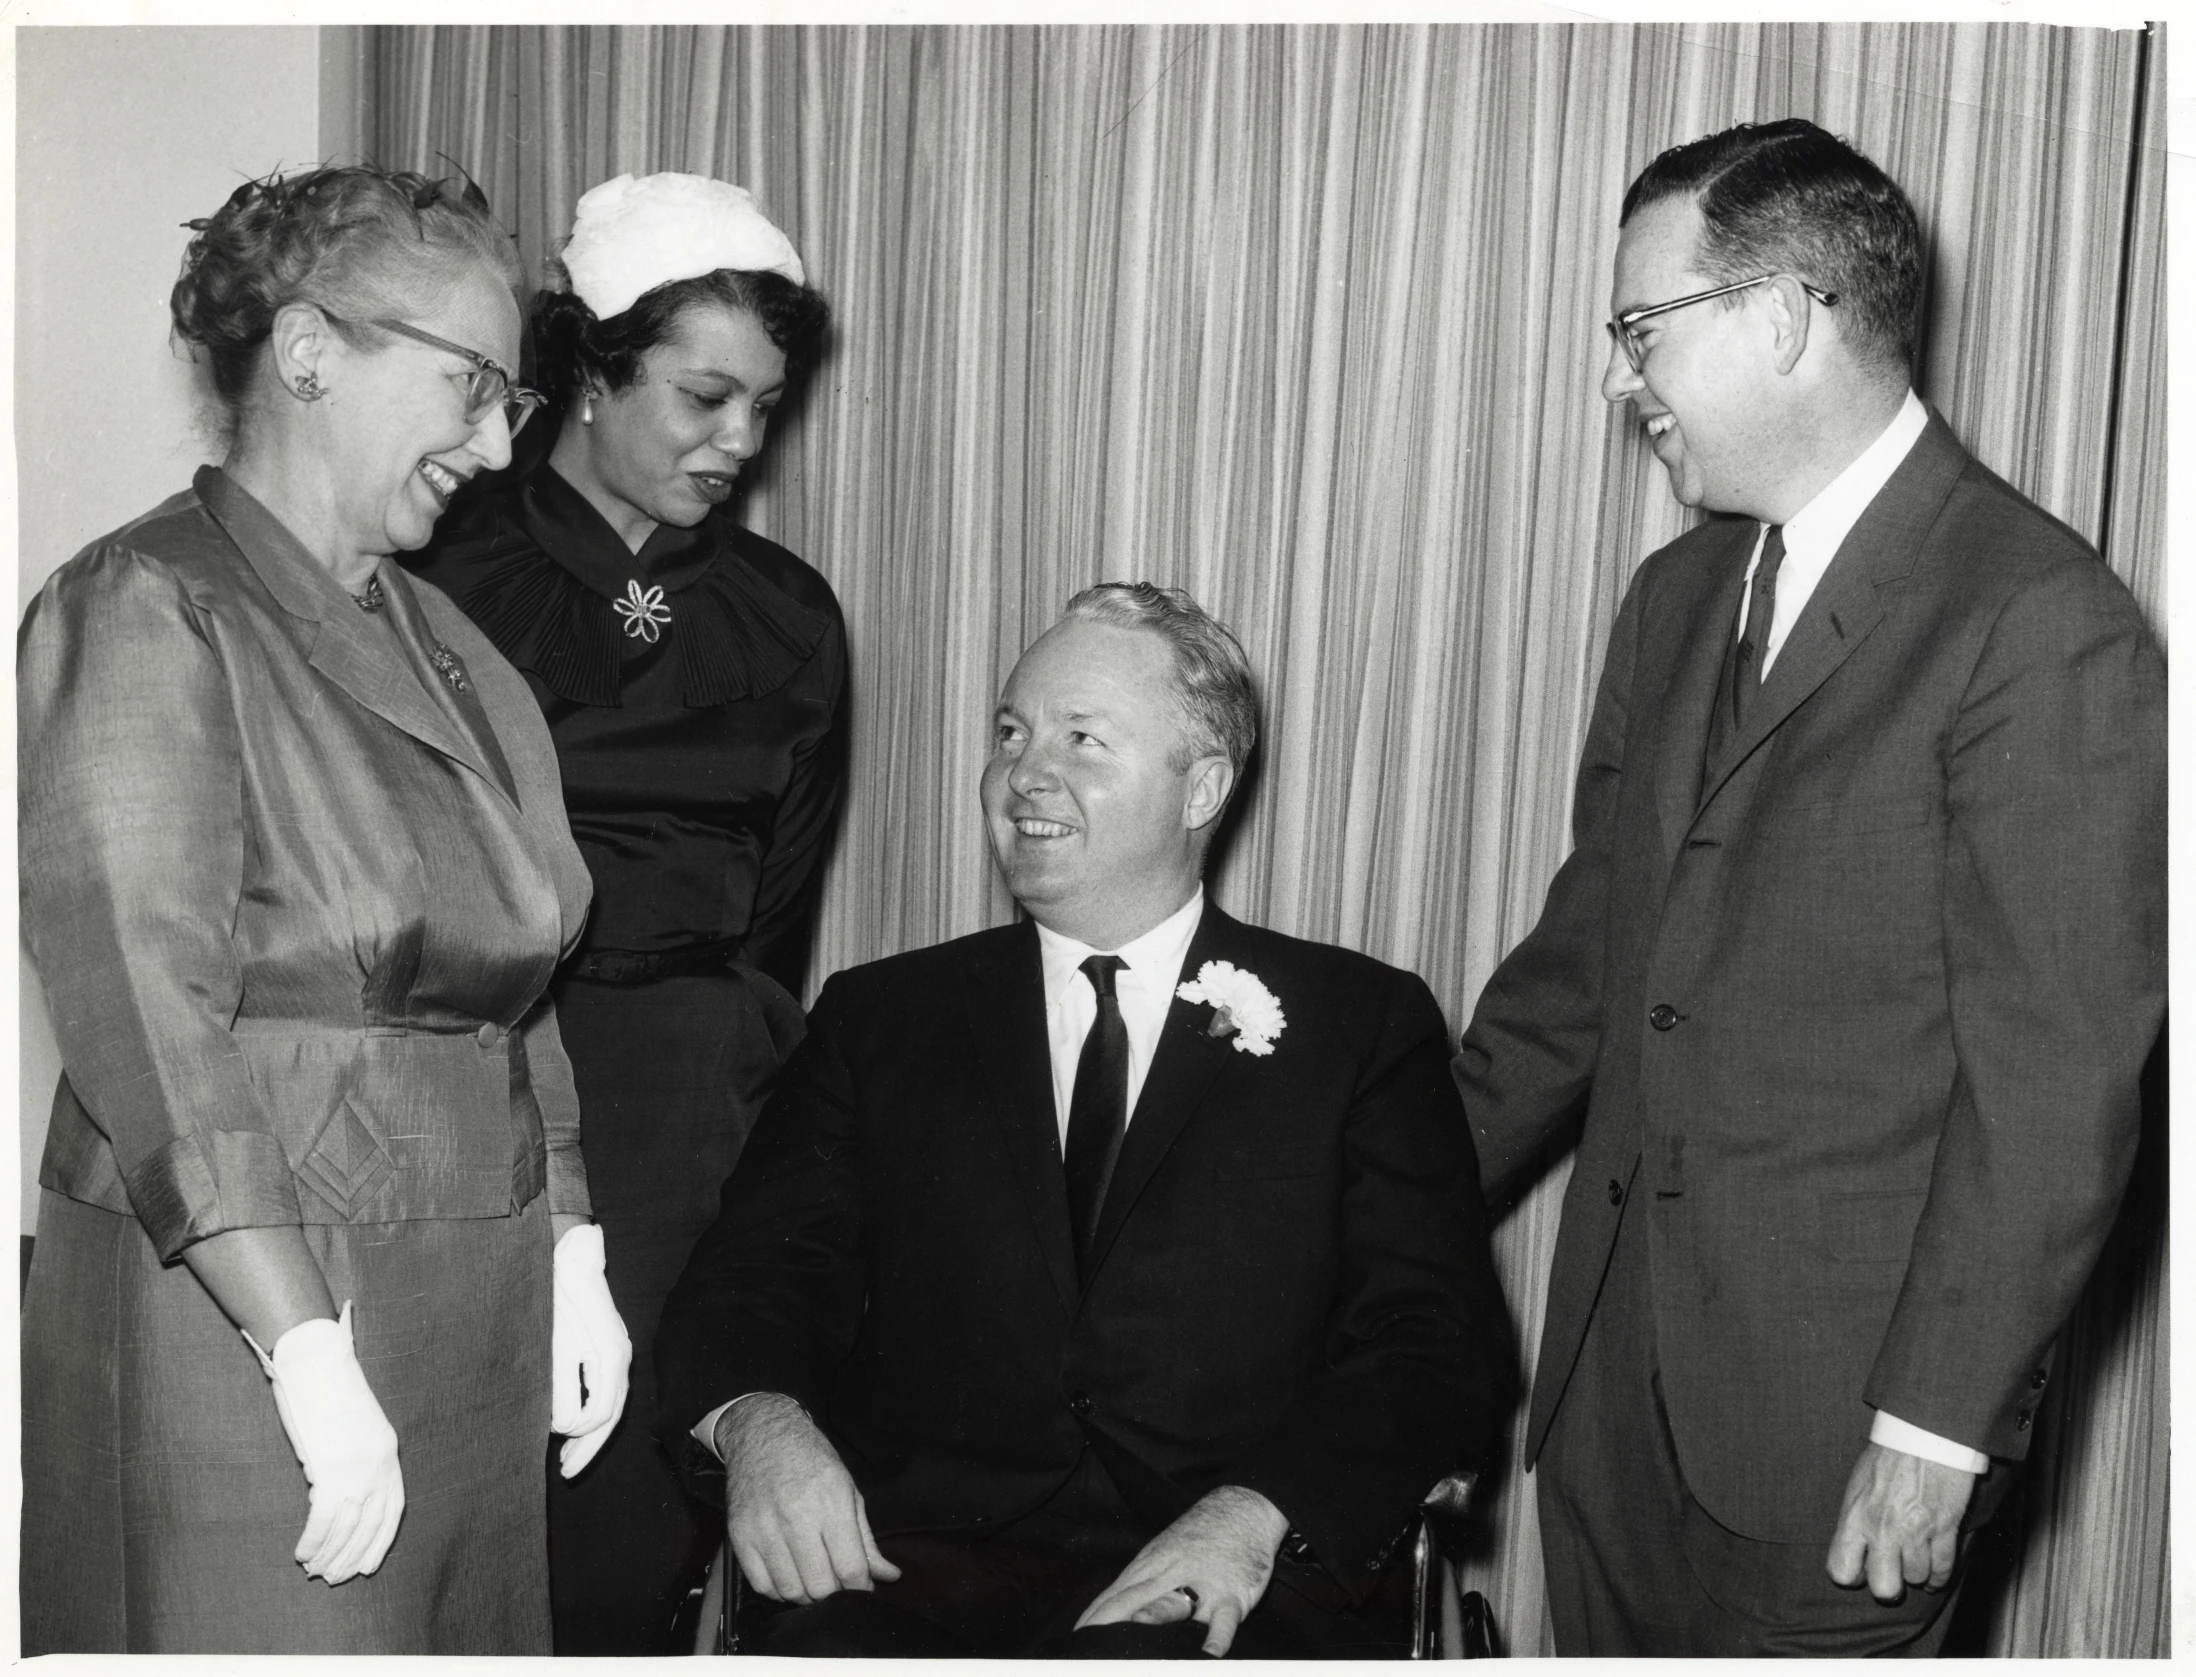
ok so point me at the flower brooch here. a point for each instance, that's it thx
(1242, 1007)
(643, 613)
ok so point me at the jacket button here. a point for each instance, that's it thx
(1080, 1403)
(2020, 1421)
(2036, 1380)
(1616, 1191)
(490, 1034)
(1662, 1016)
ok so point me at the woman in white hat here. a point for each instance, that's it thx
(693, 678)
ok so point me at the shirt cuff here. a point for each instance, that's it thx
(704, 1431)
(1894, 1434)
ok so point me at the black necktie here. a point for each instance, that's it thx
(1742, 664)
(1098, 1113)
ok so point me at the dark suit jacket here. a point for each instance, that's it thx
(1292, 1289)
(1854, 1014)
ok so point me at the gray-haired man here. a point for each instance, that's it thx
(1079, 1263)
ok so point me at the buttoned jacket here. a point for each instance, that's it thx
(294, 896)
(1852, 1013)
(1289, 1288)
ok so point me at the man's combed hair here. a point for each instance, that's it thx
(1788, 198)
(1212, 678)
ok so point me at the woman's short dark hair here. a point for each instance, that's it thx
(572, 348)
(361, 242)
(1787, 197)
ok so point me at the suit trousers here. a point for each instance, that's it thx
(1636, 1566)
(1019, 1591)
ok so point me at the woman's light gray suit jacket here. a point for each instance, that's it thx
(296, 962)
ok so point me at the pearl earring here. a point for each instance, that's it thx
(587, 410)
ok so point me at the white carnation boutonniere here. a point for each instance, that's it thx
(1242, 1007)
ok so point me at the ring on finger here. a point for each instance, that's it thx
(1184, 1589)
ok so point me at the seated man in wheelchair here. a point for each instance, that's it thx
(1114, 1283)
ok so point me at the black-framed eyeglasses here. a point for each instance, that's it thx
(491, 384)
(1621, 331)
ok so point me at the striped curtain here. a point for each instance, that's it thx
(1307, 321)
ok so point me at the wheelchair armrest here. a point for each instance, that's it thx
(1437, 1541)
(1452, 1498)
(1446, 1509)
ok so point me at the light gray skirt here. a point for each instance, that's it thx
(162, 1502)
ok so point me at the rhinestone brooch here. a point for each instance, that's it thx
(451, 670)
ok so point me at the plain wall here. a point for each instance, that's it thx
(123, 134)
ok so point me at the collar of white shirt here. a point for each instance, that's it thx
(1144, 987)
(1817, 530)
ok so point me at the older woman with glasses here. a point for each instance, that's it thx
(314, 1277)
(693, 677)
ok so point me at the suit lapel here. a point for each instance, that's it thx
(1005, 1000)
(372, 673)
(462, 709)
(1182, 1069)
(1847, 604)
(1837, 618)
(1695, 686)
(343, 643)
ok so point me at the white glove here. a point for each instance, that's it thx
(344, 1443)
(587, 1344)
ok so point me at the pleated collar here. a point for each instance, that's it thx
(543, 582)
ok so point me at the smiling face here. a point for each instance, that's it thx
(1097, 824)
(1700, 395)
(668, 447)
(396, 410)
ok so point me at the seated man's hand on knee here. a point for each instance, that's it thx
(1212, 1565)
(793, 1518)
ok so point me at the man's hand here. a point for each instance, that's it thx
(1222, 1548)
(1900, 1524)
(792, 1516)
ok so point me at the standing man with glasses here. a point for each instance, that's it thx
(1844, 992)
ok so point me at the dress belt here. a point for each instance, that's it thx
(625, 966)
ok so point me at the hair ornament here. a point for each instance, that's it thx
(632, 234)
(472, 197)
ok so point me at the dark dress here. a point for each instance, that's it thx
(701, 743)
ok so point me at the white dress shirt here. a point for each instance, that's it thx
(1144, 989)
(1811, 540)
(1814, 533)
